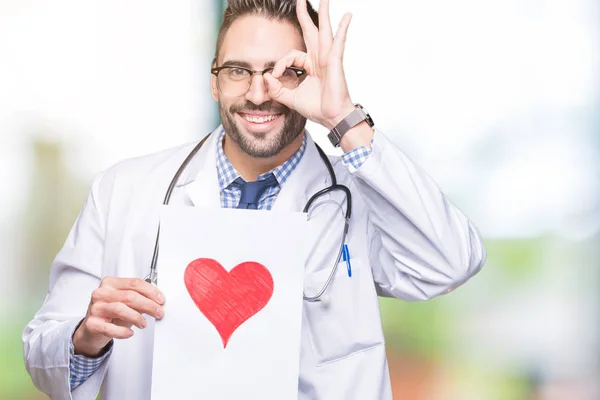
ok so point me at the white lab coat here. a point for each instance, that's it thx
(406, 239)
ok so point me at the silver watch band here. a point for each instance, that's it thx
(354, 118)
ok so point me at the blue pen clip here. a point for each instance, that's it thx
(346, 257)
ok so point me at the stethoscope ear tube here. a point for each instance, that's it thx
(153, 276)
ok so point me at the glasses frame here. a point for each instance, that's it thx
(300, 72)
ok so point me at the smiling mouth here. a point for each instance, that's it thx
(256, 119)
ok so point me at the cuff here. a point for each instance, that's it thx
(82, 367)
(356, 157)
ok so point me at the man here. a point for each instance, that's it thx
(273, 69)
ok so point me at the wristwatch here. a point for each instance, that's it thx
(354, 118)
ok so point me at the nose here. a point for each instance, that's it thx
(257, 93)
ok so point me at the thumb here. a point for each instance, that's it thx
(277, 92)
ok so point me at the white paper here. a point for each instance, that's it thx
(261, 359)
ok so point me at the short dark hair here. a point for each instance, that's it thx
(283, 10)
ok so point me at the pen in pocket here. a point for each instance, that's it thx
(346, 257)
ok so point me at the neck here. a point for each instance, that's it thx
(252, 167)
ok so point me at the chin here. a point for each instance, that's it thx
(258, 144)
(263, 140)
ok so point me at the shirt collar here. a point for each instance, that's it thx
(226, 172)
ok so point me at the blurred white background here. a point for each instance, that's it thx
(497, 100)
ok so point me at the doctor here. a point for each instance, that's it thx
(273, 70)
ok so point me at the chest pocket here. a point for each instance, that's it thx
(348, 321)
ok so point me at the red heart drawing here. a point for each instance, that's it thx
(228, 299)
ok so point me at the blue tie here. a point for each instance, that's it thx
(251, 191)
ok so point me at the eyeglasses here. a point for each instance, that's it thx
(234, 81)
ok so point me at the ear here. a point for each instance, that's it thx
(213, 83)
(213, 87)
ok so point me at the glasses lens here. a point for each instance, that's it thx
(234, 81)
(291, 78)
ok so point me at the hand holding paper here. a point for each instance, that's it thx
(115, 307)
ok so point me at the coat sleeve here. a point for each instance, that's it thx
(74, 275)
(421, 245)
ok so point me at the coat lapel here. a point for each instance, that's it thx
(309, 177)
(200, 181)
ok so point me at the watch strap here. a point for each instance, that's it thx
(350, 121)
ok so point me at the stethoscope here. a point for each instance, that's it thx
(153, 276)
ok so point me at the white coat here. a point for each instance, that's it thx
(406, 239)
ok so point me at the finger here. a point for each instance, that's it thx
(339, 42)
(99, 327)
(309, 30)
(102, 294)
(119, 322)
(120, 311)
(136, 284)
(139, 303)
(277, 92)
(130, 298)
(294, 58)
(325, 32)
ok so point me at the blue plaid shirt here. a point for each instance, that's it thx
(226, 174)
(82, 367)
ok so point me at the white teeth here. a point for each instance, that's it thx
(260, 120)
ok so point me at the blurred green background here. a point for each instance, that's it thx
(497, 100)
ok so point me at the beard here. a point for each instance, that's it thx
(262, 144)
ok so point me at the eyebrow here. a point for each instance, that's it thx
(245, 64)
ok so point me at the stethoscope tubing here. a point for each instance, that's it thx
(153, 276)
